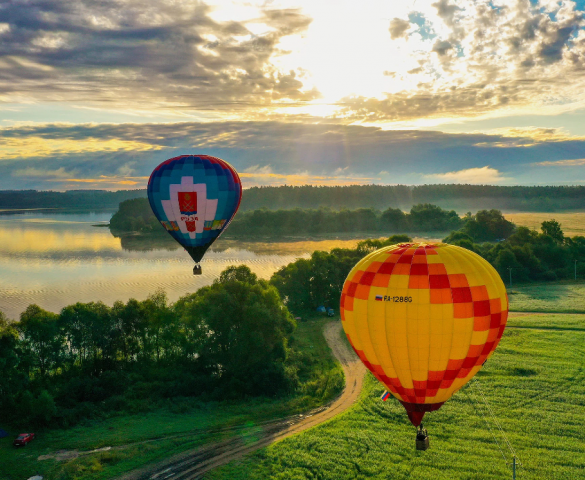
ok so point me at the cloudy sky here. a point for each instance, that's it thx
(96, 93)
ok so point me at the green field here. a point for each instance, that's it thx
(180, 425)
(535, 384)
(549, 297)
(572, 223)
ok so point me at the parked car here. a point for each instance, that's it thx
(23, 439)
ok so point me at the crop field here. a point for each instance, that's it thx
(549, 297)
(141, 437)
(534, 383)
(572, 223)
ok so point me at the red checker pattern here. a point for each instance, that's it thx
(468, 302)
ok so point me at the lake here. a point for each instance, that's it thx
(56, 259)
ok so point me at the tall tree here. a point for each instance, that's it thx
(247, 329)
(488, 225)
(12, 380)
(42, 340)
(553, 229)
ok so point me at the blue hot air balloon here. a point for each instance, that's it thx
(195, 198)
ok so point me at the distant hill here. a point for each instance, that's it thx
(462, 198)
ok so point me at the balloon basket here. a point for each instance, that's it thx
(422, 444)
(422, 439)
(197, 270)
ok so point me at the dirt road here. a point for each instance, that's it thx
(193, 464)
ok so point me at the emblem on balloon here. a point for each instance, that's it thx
(423, 318)
(195, 197)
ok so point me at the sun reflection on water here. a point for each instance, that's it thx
(54, 260)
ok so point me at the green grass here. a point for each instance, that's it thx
(181, 425)
(549, 321)
(535, 384)
(561, 297)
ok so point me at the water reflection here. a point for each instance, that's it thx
(58, 259)
(141, 243)
(55, 235)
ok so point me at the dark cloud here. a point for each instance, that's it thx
(156, 51)
(446, 11)
(408, 156)
(441, 47)
(466, 100)
(555, 37)
(398, 28)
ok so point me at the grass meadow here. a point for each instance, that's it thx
(562, 297)
(534, 383)
(181, 424)
(572, 223)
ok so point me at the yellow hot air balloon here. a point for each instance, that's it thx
(423, 318)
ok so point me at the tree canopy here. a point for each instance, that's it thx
(226, 340)
(530, 255)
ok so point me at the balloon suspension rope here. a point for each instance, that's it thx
(484, 409)
(421, 432)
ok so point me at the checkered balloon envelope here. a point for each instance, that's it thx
(423, 318)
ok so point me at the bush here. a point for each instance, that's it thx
(488, 225)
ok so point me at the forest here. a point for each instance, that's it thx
(462, 198)
(72, 199)
(458, 197)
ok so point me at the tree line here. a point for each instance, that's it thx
(458, 197)
(136, 216)
(421, 218)
(528, 255)
(78, 199)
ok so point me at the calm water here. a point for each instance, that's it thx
(54, 260)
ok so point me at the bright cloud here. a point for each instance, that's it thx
(475, 176)
(303, 178)
(105, 182)
(528, 136)
(385, 62)
(577, 162)
(34, 172)
(11, 148)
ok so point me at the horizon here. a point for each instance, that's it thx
(308, 185)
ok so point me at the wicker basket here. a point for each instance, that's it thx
(422, 444)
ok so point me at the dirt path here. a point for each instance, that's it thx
(193, 464)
